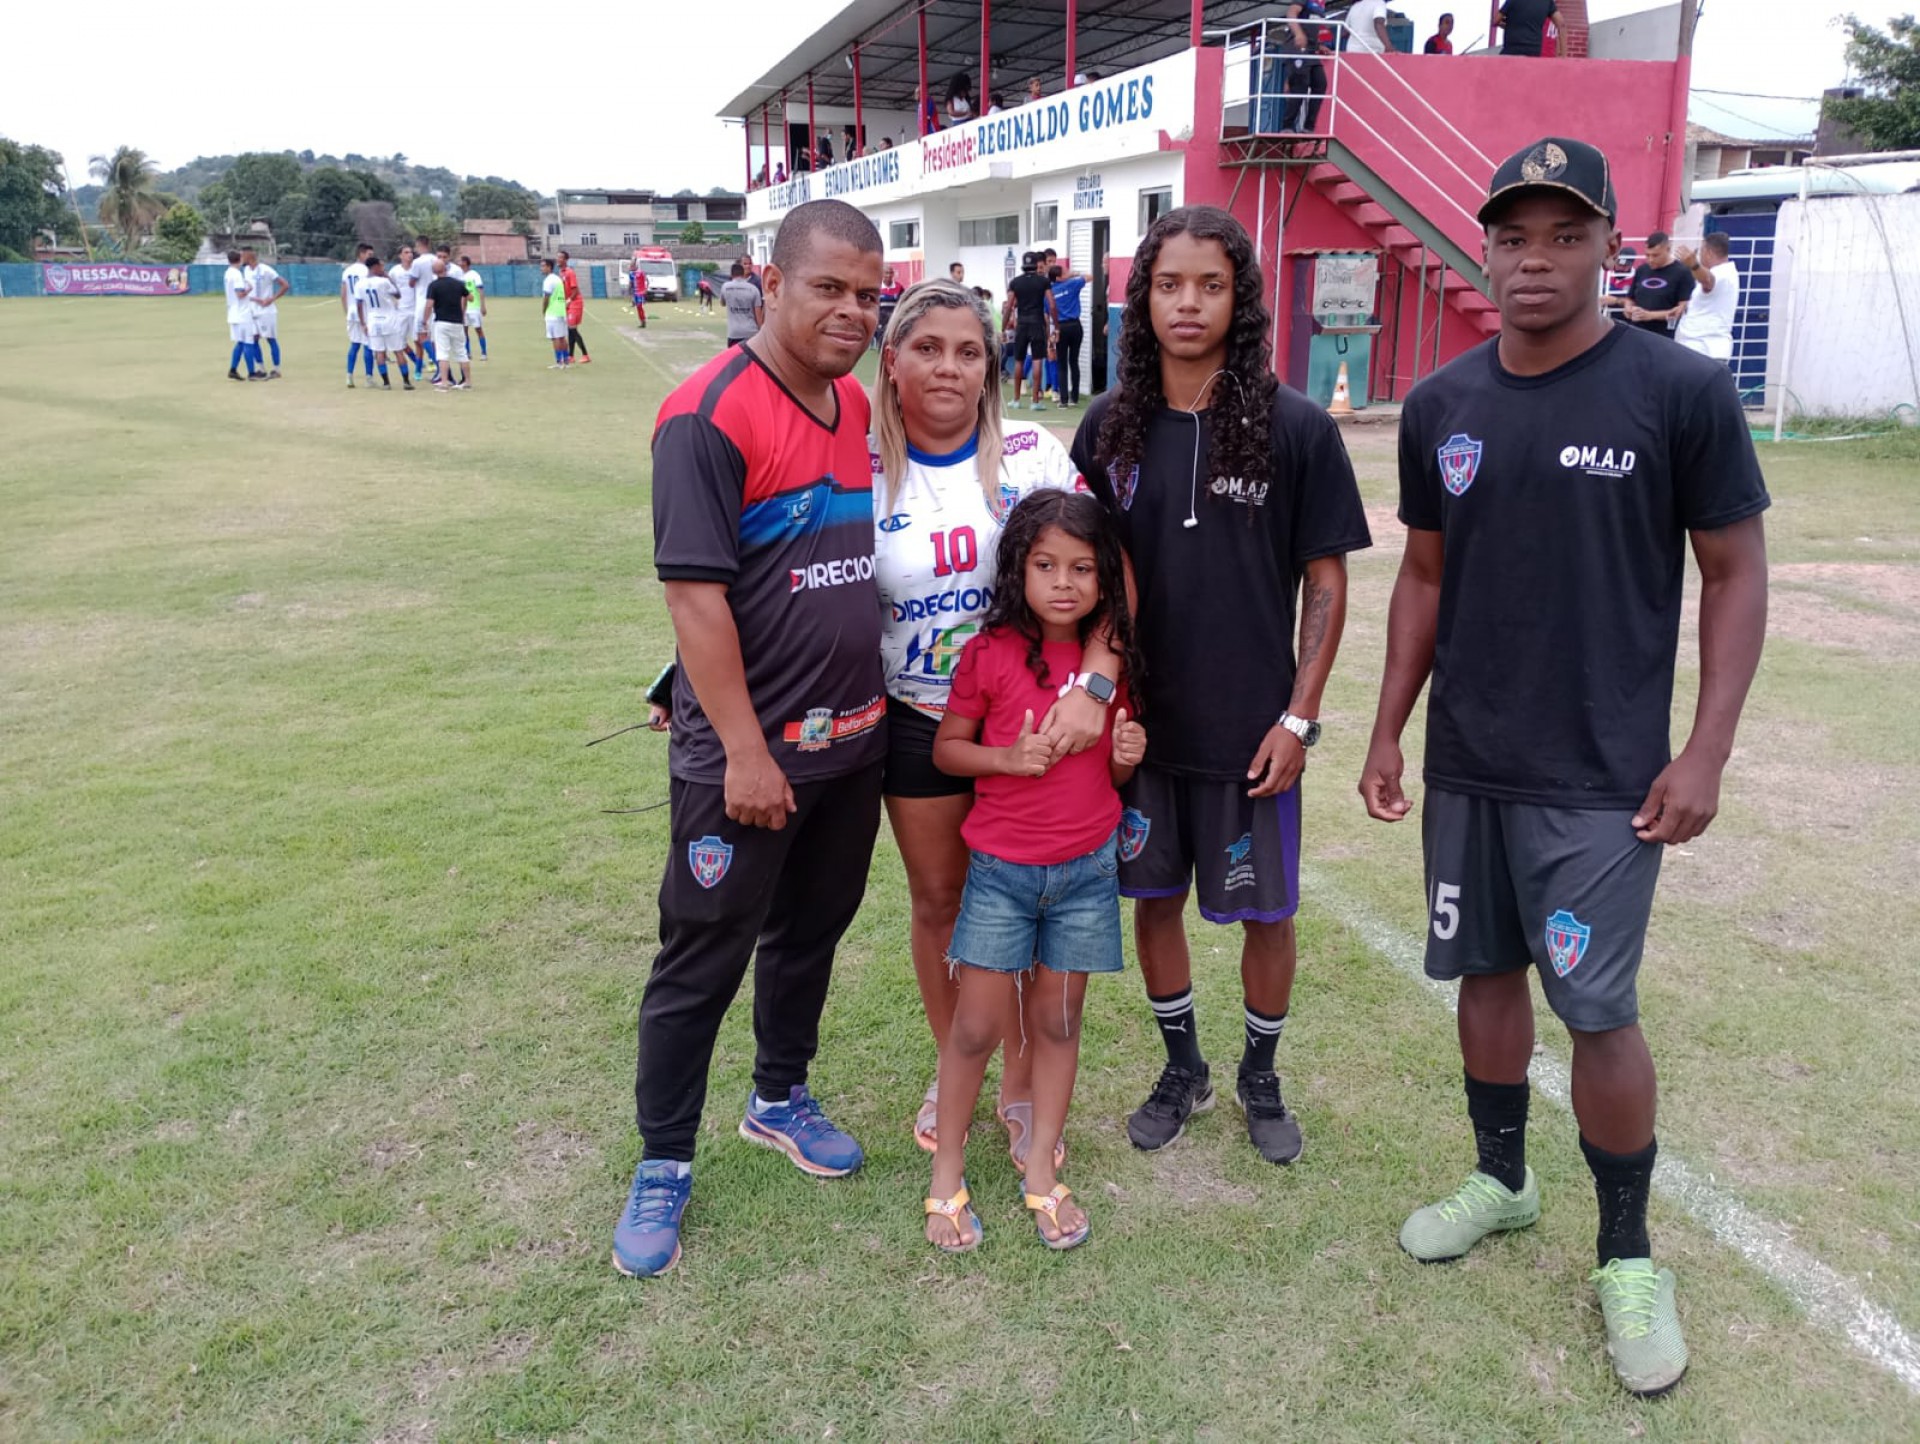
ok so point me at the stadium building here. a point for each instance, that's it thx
(1365, 226)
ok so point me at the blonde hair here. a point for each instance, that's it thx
(889, 425)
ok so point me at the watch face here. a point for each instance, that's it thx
(1098, 687)
(1313, 734)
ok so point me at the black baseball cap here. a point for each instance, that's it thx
(1571, 167)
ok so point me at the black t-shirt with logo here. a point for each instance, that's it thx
(1659, 289)
(1029, 290)
(1565, 501)
(448, 297)
(1526, 27)
(1217, 599)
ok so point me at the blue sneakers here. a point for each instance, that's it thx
(801, 1131)
(646, 1241)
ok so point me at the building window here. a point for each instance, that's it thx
(1046, 222)
(630, 238)
(589, 238)
(990, 231)
(903, 235)
(1154, 204)
(553, 228)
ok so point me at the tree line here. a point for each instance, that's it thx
(317, 206)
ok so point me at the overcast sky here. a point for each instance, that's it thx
(580, 96)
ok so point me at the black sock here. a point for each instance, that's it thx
(1620, 1183)
(1179, 1029)
(1499, 1114)
(1263, 1037)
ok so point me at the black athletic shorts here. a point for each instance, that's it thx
(910, 771)
(1029, 339)
(1566, 890)
(1243, 853)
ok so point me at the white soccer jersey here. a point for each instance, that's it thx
(264, 277)
(933, 553)
(350, 279)
(381, 297)
(422, 277)
(239, 286)
(402, 278)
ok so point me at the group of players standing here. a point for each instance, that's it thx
(418, 310)
(253, 291)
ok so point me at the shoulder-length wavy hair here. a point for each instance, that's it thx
(1078, 515)
(1240, 441)
(889, 423)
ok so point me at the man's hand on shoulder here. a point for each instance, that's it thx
(757, 791)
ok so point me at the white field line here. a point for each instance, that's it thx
(1829, 1299)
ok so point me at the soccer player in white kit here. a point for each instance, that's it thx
(412, 292)
(268, 286)
(357, 338)
(239, 292)
(422, 278)
(386, 320)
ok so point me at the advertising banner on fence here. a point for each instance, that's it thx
(114, 278)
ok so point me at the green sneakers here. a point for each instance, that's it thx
(1446, 1230)
(1643, 1326)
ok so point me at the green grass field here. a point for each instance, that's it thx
(321, 953)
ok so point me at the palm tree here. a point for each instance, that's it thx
(130, 204)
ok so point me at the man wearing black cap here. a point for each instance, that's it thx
(1551, 481)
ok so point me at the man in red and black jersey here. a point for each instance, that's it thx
(763, 535)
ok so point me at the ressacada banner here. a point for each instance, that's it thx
(113, 278)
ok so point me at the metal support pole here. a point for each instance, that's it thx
(746, 134)
(813, 136)
(1193, 24)
(920, 120)
(1786, 334)
(766, 143)
(981, 90)
(786, 135)
(1073, 24)
(1420, 313)
(1439, 313)
(859, 128)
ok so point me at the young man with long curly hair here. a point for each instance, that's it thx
(1234, 497)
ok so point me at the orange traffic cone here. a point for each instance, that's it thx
(1342, 403)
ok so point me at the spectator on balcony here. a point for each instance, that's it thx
(960, 99)
(994, 105)
(1306, 40)
(1035, 90)
(929, 110)
(1524, 25)
(1367, 26)
(1440, 43)
(780, 174)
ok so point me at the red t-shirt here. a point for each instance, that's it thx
(1032, 820)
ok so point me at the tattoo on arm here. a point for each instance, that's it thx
(1316, 610)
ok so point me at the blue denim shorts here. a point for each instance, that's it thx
(1065, 916)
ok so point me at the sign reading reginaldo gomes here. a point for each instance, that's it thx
(1100, 121)
(115, 278)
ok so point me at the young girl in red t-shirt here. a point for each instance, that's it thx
(1041, 908)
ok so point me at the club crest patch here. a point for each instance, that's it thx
(1240, 869)
(1125, 485)
(1567, 939)
(709, 858)
(1459, 462)
(1008, 499)
(1135, 825)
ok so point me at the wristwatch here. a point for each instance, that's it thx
(1101, 689)
(1307, 732)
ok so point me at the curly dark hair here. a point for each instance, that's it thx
(1240, 443)
(1079, 516)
